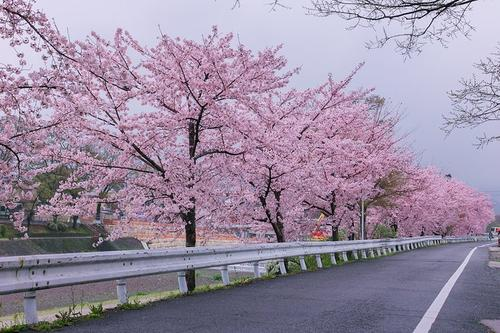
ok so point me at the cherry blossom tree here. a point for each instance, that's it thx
(434, 205)
(25, 121)
(171, 120)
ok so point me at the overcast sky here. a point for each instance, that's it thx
(321, 46)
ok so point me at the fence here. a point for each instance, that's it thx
(31, 273)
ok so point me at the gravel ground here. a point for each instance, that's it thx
(103, 291)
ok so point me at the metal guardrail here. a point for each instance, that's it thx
(31, 273)
(466, 239)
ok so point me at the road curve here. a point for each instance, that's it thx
(390, 294)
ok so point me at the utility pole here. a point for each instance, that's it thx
(362, 222)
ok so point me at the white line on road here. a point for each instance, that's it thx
(432, 312)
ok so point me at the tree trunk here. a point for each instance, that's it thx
(98, 213)
(279, 232)
(28, 221)
(280, 237)
(74, 218)
(31, 214)
(190, 217)
(190, 229)
(335, 233)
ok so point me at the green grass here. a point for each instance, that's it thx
(62, 245)
(134, 305)
(42, 231)
(217, 277)
(7, 231)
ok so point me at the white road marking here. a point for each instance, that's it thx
(425, 324)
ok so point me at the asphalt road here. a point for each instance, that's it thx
(389, 294)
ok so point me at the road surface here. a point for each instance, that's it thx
(390, 294)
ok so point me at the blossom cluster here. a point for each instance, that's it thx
(208, 133)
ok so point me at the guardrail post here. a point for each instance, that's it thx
(372, 255)
(363, 254)
(121, 291)
(282, 266)
(333, 259)
(303, 265)
(318, 261)
(225, 275)
(256, 269)
(344, 256)
(355, 254)
(181, 279)
(30, 312)
(378, 252)
(384, 251)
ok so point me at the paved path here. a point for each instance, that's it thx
(385, 295)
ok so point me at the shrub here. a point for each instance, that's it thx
(96, 311)
(383, 231)
(56, 226)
